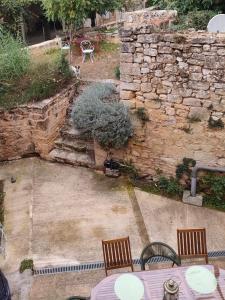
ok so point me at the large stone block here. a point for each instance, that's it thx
(130, 69)
(196, 76)
(130, 86)
(146, 87)
(149, 38)
(198, 85)
(127, 95)
(128, 48)
(126, 57)
(150, 52)
(200, 113)
(151, 96)
(192, 102)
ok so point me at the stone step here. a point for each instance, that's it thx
(72, 158)
(71, 133)
(74, 145)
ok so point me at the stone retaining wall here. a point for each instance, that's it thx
(179, 78)
(33, 128)
(147, 16)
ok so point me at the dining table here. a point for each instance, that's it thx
(198, 282)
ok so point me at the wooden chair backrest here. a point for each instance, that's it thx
(192, 243)
(117, 254)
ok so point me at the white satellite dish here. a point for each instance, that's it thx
(217, 24)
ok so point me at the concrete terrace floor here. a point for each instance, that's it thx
(58, 214)
(164, 216)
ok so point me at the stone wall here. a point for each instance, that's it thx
(33, 128)
(179, 78)
(148, 16)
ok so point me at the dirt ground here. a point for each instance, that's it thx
(103, 67)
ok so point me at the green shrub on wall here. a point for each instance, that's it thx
(113, 127)
(99, 115)
(14, 58)
(23, 81)
(213, 188)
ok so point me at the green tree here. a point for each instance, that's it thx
(189, 5)
(73, 12)
(101, 7)
(12, 12)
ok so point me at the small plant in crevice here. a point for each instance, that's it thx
(26, 264)
(142, 114)
(187, 130)
(183, 171)
(127, 168)
(215, 123)
(117, 72)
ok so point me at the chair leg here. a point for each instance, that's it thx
(106, 274)
(92, 57)
(83, 60)
(173, 264)
(207, 259)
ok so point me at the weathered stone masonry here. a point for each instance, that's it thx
(180, 79)
(33, 128)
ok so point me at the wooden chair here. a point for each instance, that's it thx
(192, 243)
(117, 254)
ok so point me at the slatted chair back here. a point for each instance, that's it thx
(192, 243)
(117, 254)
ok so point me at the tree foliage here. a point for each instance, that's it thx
(75, 11)
(192, 13)
(11, 12)
(189, 5)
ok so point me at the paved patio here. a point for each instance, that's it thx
(57, 214)
(163, 216)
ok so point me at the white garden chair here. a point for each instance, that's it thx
(87, 49)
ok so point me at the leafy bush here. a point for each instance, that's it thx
(106, 121)
(185, 168)
(199, 19)
(213, 188)
(171, 186)
(187, 5)
(62, 65)
(14, 58)
(113, 127)
(26, 264)
(41, 81)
